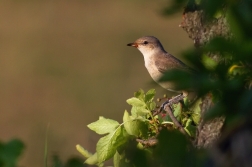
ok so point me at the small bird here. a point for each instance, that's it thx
(158, 61)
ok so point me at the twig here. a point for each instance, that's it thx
(174, 100)
(148, 143)
(168, 110)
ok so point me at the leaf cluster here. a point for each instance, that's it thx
(136, 133)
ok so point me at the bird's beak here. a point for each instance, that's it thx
(133, 44)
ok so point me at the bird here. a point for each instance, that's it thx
(158, 62)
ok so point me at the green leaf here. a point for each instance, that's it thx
(103, 125)
(107, 145)
(150, 95)
(135, 126)
(10, 152)
(93, 160)
(120, 160)
(136, 102)
(116, 160)
(83, 151)
(134, 111)
(139, 111)
(208, 62)
(196, 111)
(151, 106)
(177, 108)
(139, 94)
(186, 101)
(190, 129)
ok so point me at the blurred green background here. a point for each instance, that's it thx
(65, 63)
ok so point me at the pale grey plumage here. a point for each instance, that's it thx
(158, 61)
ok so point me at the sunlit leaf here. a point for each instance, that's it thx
(83, 151)
(151, 105)
(103, 125)
(136, 102)
(139, 111)
(150, 95)
(190, 129)
(209, 63)
(93, 160)
(107, 145)
(140, 95)
(135, 126)
(177, 111)
(121, 161)
(196, 115)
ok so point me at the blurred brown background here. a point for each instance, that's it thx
(65, 63)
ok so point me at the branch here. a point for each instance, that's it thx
(168, 110)
(148, 143)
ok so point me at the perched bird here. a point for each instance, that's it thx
(158, 61)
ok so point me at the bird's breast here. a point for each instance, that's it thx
(156, 75)
(152, 69)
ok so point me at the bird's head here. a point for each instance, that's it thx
(147, 45)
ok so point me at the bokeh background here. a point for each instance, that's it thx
(65, 63)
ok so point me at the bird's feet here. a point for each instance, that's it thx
(176, 99)
(171, 101)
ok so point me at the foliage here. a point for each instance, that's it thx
(120, 139)
(10, 152)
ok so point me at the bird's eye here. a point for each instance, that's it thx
(145, 42)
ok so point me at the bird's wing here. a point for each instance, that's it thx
(167, 62)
